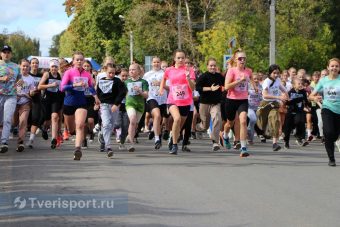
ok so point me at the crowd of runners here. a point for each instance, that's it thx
(172, 102)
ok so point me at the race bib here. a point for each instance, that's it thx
(105, 86)
(134, 87)
(80, 79)
(331, 93)
(180, 92)
(53, 89)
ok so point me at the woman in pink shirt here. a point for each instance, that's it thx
(236, 82)
(181, 84)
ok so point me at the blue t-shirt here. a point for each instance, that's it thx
(330, 89)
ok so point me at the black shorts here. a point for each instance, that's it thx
(70, 110)
(235, 105)
(152, 104)
(91, 113)
(51, 106)
(183, 110)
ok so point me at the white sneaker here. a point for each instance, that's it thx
(131, 148)
(29, 144)
(215, 147)
(122, 147)
(38, 131)
(337, 143)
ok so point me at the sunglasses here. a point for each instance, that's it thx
(241, 58)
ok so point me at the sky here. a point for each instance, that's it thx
(40, 19)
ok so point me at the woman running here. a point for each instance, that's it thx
(181, 84)
(329, 88)
(52, 99)
(74, 83)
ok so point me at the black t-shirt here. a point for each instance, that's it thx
(297, 100)
(206, 80)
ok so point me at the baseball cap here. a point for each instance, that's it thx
(6, 48)
(54, 62)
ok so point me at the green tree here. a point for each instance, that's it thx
(54, 49)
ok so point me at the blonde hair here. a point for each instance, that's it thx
(334, 59)
(233, 58)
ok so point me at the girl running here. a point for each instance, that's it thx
(329, 88)
(181, 84)
(52, 99)
(74, 83)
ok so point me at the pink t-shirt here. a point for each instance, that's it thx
(240, 91)
(180, 92)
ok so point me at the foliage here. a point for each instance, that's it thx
(22, 45)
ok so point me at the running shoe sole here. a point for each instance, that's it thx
(77, 155)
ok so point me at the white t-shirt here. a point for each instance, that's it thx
(27, 86)
(154, 78)
(273, 90)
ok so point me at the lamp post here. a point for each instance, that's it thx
(131, 40)
(272, 48)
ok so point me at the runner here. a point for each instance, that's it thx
(209, 85)
(111, 91)
(52, 99)
(37, 118)
(236, 82)
(74, 83)
(156, 103)
(268, 112)
(137, 91)
(9, 75)
(25, 89)
(254, 100)
(181, 84)
(329, 88)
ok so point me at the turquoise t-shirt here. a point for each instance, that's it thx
(330, 89)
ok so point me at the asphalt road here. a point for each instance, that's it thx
(201, 188)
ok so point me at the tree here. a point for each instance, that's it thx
(54, 49)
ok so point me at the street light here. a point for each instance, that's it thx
(131, 40)
(272, 48)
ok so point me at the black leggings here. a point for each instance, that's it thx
(187, 128)
(37, 114)
(331, 130)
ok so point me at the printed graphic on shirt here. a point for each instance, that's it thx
(36, 81)
(295, 96)
(53, 89)
(80, 79)
(180, 92)
(105, 86)
(134, 88)
(332, 93)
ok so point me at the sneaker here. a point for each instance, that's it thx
(66, 135)
(4, 148)
(174, 149)
(287, 145)
(323, 140)
(77, 155)
(131, 148)
(109, 152)
(244, 152)
(185, 148)
(158, 144)
(151, 135)
(96, 128)
(227, 144)
(20, 147)
(170, 142)
(215, 147)
(332, 163)
(302, 143)
(166, 135)
(117, 140)
(199, 135)
(37, 132)
(91, 137)
(30, 144)
(53, 143)
(102, 147)
(337, 143)
(263, 139)
(237, 145)
(277, 147)
(100, 138)
(193, 135)
(84, 144)
(15, 131)
(44, 134)
(310, 138)
(59, 141)
(122, 147)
